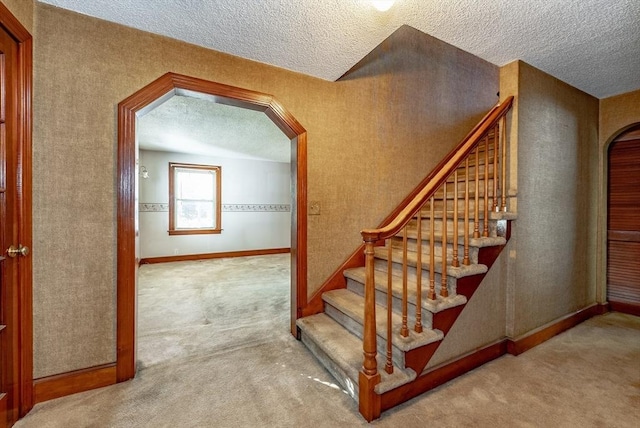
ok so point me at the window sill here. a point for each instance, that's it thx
(195, 232)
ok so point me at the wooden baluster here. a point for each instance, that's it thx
(418, 326)
(476, 208)
(444, 292)
(465, 260)
(503, 135)
(485, 228)
(455, 262)
(388, 366)
(369, 341)
(432, 253)
(404, 331)
(496, 174)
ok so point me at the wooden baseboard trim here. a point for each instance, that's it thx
(50, 387)
(443, 374)
(207, 256)
(524, 343)
(625, 307)
(449, 371)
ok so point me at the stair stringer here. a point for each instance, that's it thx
(417, 359)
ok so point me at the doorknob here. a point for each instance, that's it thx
(12, 251)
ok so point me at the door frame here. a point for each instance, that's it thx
(145, 100)
(23, 370)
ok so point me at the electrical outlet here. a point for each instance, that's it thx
(314, 208)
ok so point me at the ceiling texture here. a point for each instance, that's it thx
(594, 45)
(198, 126)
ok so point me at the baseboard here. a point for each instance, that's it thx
(451, 370)
(443, 374)
(207, 256)
(60, 385)
(625, 307)
(529, 340)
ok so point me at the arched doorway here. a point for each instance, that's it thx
(146, 99)
(623, 222)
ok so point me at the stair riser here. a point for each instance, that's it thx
(472, 168)
(438, 227)
(472, 184)
(346, 382)
(438, 195)
(381, 265)
(426, 249)
(439, 203)
(381, 299)
(357, 329)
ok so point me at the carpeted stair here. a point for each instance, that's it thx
(447, 233)
(335, 336)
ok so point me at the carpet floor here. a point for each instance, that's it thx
(214, 350)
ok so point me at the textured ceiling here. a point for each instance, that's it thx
(593, 45)
(192, 125)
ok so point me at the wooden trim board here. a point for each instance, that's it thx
(449, 371)
(542, 334)
(48, 388)
(207, 256)
(60, 385)
(443, 374)
(625, 307)
(146, 99)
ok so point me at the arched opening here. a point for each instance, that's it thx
(623, 223)
(146, 99)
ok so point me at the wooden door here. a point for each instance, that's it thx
(623, 234)
(9, 260)
(16, 347)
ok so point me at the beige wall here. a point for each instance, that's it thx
(483, 320)
(616, 114)
(23, 11)
(547, 269)
(555, 234)
(371, 138)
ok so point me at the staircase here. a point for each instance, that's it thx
(375, 336)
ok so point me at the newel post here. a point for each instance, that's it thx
(369, 401)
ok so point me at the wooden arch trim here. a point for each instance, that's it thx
(144, 99)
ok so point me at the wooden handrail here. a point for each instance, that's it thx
(439, 174)
(488, 134)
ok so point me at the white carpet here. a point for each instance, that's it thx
(215, 351)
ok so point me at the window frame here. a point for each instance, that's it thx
(217, 170)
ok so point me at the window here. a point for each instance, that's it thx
(194, 199)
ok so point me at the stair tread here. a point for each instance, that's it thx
(483, 241)
(345, 349)
(412, 257)
(462, 177)
(487, 241)
(493, 215)
(352, 305)
(440, 304)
